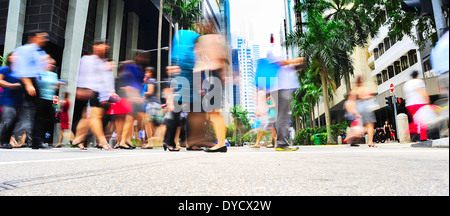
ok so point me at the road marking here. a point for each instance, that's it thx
(77, 159)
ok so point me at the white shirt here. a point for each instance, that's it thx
(412, 97)
(91, 73)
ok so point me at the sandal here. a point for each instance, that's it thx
(78, 145)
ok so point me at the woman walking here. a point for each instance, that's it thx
(90, 83)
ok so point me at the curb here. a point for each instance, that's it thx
(439, 143)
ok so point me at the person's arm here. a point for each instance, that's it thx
(150, 90)
(5, 84)
(422, 92)
(29, 86)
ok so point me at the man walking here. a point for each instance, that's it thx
(31, 61)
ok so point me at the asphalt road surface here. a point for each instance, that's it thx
(392, 169)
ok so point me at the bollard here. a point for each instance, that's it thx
(339, 140)
(403, 128)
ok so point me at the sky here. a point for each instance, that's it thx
(261, 17)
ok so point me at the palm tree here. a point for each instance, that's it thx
(323, 45)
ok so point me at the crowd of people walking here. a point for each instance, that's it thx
(171, 113)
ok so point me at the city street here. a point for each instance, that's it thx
(392, 169)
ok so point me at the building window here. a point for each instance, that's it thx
(412, 56)
(385, 76)
(387, 43)
(375, 53)
(381, 49)
(397, 68)
(404, 62)
(391, 72)
(427, 65)
(393, 40)
(379, 80)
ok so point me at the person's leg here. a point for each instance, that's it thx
(369, 129)
(171, 129)
(96, 125)
(259, 136)
(127, 131)
(220, 130)
(81, 131)
(283, 102)
(43, 109)
(8, 121)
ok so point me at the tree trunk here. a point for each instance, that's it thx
(348, 85)
(311, 117)
(326, 103)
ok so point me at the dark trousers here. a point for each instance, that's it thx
(42, 120)
(283, 103)
(172, 124)
(8, 121)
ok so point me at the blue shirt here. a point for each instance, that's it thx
(47, 84)
(183, 55)
(10, 97)
(30, 61)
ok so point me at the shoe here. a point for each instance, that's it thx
(78, 145)
(122, 147)
(223, 149)
(129, 145)
(109, 148)
(40, 146)
(6, 146)
(170, 148)
(286, 148)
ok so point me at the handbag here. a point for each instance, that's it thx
(123, 106)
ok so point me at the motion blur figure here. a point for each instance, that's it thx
(91, 82)
(31, 61)
(417, 102)
(440, 64)
(362, 106)
(10, 101)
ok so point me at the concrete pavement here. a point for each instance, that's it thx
(391, 169)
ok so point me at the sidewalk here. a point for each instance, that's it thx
(439, 143)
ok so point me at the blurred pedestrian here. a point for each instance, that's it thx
(416, 101)
(266, 113)
(285, 85)
(10, 101)
(48, 84)
(211, 66)
(132, 84)
(364, 108)
(387, 131)
(31, 61)
(91, 82)
(64, 119)
(153, 111)
(180, 95)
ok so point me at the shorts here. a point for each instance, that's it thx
(154, 113)
(363, 108)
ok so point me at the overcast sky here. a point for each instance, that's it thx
(261, 17)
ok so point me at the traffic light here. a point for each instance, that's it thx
(419, 7)
(389, 102)
(400, 103)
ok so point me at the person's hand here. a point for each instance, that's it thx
(30, 90)
(16, 85)
(173, 70)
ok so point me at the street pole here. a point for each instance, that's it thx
(395, 115)
(158, 66)
(439, 18)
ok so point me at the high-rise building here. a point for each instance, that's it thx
(247, 72)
